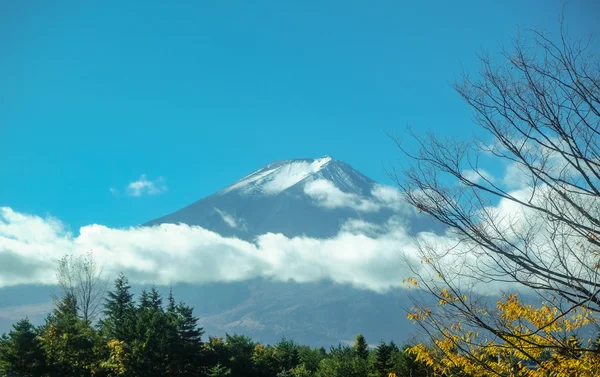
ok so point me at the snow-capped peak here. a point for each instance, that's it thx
(279, 176)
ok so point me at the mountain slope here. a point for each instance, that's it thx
(310, 197)
(292, 197)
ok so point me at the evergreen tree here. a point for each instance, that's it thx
(186, 351)
(119, 311)
(21, 352)
(171, 302)
(383, 352)
(287, 354)
(66, 307)
(155, 299)
(144, 299)
(361, 347)
(311, 357)
(150, 350)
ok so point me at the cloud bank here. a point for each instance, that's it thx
(30, 247)
(365, 255)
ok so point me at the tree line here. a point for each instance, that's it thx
(155, 337)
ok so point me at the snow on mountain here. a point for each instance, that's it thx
(280, 176)
(277, 177)
(312, 197)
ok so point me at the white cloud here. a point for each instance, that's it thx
(478, 176)
(390, 197)
(30, 247)
(515, 177)
(326, 194)
(362, 254)
(144, 186)
(231, 220)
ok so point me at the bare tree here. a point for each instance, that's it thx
(81, 278)
(538, 227)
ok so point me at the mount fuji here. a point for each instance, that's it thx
(300, 197)
(315, 198)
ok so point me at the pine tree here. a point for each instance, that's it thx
(383, 353)
(119, 311)
(171, 302)
(361, 347)
(144, 299)
(21, 352)
(150, 350)
(188, 341)
(67, 306)
(287, 354)
(155, 299)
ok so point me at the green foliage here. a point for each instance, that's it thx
(343, 361)
(361, 347)
(184, 340)
(311, 357)
(265, 361)
(288, 356)
(148, 339)
(119, 312)
(301, 371)
(383, 354)
(404, 363)
(69, 343)
(240, 349)
(21, 352)
(214, 351)
(219, 371)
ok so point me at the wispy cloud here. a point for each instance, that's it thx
(145, 186)
(231, 220)
(326, 194)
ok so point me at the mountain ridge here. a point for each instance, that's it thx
(284, 197)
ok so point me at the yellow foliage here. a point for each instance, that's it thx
(115, 363)
(410, 282)
(529, 333)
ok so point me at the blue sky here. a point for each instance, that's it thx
(95, 94)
